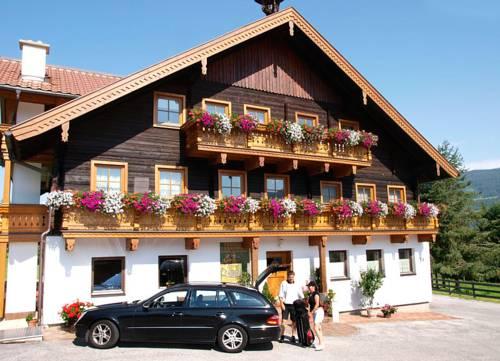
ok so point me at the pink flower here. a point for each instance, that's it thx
(207, 120)
(92, 201)
(276, 208)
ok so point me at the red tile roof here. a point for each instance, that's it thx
(58, 79)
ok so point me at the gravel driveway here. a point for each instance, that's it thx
(474, 335)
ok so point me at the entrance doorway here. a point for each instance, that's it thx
(275, 279)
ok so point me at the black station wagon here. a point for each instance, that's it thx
(229, 315)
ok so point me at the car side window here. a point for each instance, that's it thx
(208, 298)
(243, 299)
(170, 299)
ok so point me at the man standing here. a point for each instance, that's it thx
(289, 293)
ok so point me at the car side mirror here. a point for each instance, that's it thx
(146, 305)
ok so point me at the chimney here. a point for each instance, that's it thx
(34, 57)
(270, 6)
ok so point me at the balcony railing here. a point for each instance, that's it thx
(23, 222)
(261, 142)
(81, 221)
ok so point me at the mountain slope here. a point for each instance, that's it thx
(485, 182)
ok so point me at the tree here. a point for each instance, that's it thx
(369, 284)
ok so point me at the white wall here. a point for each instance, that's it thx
(396, 289)
(22, 275)
(26, 111)
(25, 184)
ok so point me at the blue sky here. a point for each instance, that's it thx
(437, 61)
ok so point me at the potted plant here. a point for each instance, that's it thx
(388, 310)
(31, 320)
(369, 284)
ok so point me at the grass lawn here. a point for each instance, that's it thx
(465, 297)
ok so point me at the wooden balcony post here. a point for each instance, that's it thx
(253, 243)
(7, 172)
(321, 242)
(3, 273)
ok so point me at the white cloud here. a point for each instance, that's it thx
(484, 164)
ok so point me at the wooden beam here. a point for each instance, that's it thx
(364, 239)
(399, 238)
(321, 242)
(287, 166)
(192, 243)
(253, 243)
(3, 275)
(254, 163)
(426, 238)
(69, 244)
(132, 244)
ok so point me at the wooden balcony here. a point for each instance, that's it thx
(82, 224)
(261, 143)
(23, 222)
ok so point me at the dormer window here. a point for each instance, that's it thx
(169, 110)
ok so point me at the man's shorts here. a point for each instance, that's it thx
(289, 310)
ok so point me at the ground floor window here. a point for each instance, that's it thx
(234, 261)
(108, 275)
(374, 260)
(172, 270)
(406, 264)
(338, 261)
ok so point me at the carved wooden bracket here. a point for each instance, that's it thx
(69, 244)
(251, 242)
(192, 243)
(254, 163)
(291, 27)
(438, 170)
(132, 244)
(399, 238)
(320, 241)
(223, 158)
(363, 239)
(365, 98)
(327, 167)
(427, 238)
(65, 132)
(204, 68)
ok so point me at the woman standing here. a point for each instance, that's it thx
(317, 312)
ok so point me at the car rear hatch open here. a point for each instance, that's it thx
(271, 269)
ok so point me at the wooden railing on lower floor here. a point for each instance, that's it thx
(77, 221)
(23, 222)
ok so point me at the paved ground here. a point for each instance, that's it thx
(473, 335)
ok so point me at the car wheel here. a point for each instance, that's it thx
(232, 338)
(103, 334)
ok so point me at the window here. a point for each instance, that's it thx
(374, 260)
(243, 299)
(338, 260)
(365, 192)
(396, 194)
(330, 191)
(108, 275)
(216, 106)
(348, 124)
(406, 265)
(234, 260)
(276, 186)
(170, 180)
(232, 183)
(169, 109)
(208, 298)
(306, 119)
(108, 176)
(261, 114)
(170, 299)
(172, 270)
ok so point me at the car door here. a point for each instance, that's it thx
(161, 318)
(205, 313)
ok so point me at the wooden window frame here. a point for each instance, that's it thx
(216, 101)
(94, 164)
(350, 123)
(241, 173)
(159, 95)
(186, 267)
(307, 115)
(403, 188)
(346, 264)
(372, 185)
(381, 259)
(336, 183)
(286, 177)
(412, 263)
(107, 293)
(258, 107)
(180, 169)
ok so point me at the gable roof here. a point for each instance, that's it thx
(58, 80)
(77, 107)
